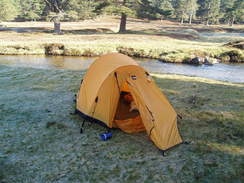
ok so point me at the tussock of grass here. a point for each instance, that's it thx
(232, 56)
(54, 49)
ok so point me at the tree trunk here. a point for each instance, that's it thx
(207, 22)
(217, 22)
(232, 21)
(122, 27)
(57, 28)
(57, 25)
(190, 19)
(228, 22)
(182, 20)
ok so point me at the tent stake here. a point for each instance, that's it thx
(83, 123)
(163, 152)
(108, 130)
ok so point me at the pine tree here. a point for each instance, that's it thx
(8, 10)
(162, 8)
(237, 12)
(31, 9)
(81, 10)
(226, 8)
(57, 10)
(211, 11)
(201, 10)
(191, 8)
(180, 10)
(146, 10)
(124, 8)
(155, 9)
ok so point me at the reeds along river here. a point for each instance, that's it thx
(223, 72)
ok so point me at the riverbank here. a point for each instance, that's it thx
(232, 72)
(40, 139)
(168, 42)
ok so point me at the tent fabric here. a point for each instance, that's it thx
(100, 98)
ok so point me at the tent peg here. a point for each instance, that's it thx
(108, 130)
(163, 152)
(186, 142)
(75, 98)
(82, 125)
(73, 113)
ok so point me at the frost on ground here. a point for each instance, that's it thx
(40, 139)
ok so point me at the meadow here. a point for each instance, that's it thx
(41, 140)
(40, 134)
(163, 40)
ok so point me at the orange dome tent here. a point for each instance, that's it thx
(102, 98)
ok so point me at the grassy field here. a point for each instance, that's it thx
(40, 139)
(166, 41)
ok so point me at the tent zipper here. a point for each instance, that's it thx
(115, 74)
(150, 112)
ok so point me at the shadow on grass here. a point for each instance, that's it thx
(155, 32)
(26, 29)
(202, 28)
(100, 31)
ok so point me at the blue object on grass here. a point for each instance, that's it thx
(106, 136)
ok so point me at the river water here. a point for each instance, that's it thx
(222, 72)
(225, 34)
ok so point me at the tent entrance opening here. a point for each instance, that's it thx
(127, 116)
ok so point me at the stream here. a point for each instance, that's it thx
(222, 72)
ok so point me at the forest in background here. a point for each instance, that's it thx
(206, 12)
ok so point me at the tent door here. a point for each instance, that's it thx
(127, 119)
(146, 115)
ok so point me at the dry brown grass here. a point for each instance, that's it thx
(132, 24)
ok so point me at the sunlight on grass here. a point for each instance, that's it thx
(232, 149)
(191, 79)
(160, 47)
